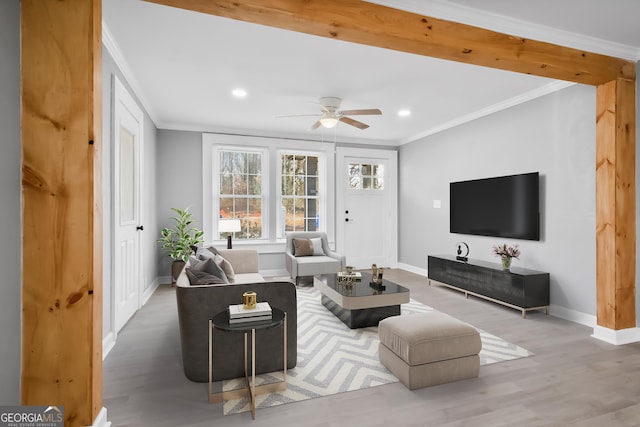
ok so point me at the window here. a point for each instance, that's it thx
(240, 191)
(366, 176)
(300, 201)
(271, 184)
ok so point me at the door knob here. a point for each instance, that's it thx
(140, 227)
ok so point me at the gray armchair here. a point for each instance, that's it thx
(301, 266)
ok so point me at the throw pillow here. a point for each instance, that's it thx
(317, 246)
(209, 266)
(202, 278)
(204, 254)
(213, 250)
(226, 267)
(302, 247)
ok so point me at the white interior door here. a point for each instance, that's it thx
(367, 208)
(127, 136)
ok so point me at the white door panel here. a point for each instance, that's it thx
(366, 182)
(127, 133)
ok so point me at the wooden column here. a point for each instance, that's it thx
(61, 244)
(616, 204)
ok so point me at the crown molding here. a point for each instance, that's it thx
(114, 50)
(443, 9)
(508, 103)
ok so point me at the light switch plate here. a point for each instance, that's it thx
(437, 204)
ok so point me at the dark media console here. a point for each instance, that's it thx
(519, 288)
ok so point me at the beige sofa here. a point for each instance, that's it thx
(198, 303)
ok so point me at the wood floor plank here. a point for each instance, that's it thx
(573, 379)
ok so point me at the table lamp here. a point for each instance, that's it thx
(229, 226)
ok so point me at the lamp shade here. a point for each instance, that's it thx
(229, 225)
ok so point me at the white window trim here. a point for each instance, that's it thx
(273, 146)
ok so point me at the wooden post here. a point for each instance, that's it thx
(616, 204)
(61, 197)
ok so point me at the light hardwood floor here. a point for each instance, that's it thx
(573, 380)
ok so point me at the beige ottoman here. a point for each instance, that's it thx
(429, 348)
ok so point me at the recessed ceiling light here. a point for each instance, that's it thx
(239, 93)
(404, 113)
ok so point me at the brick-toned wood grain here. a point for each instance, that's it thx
(615, 204)
(61, 244)
(375, 25)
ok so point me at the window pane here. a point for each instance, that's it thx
(239, 162)
(312, 166)
(355, 182)
(226, 207)
(254, 165)
(226, 184)
(378, 183)
(378, 170)
(287, 185)
(366, 169)
(255, 208)
(287, 164)
(311, 207)
(299, 183)
(366, 183)
(226, 162)
(255, 185)
(239, 184)
(241, 207)
(311, 186)
(300, 168)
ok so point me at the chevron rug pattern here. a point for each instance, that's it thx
(333, 358)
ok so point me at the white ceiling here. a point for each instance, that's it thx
(184, 65)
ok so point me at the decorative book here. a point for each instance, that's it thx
(250, 319)
(239, 312)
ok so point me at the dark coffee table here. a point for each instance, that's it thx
(363, 303)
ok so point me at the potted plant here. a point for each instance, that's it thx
(506, 253)
(177, 242)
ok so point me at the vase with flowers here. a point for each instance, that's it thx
(506, 254)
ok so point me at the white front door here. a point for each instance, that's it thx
(127, 138)
(367, 206)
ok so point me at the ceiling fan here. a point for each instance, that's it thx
(330, 115)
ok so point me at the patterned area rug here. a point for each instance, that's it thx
(333, 358)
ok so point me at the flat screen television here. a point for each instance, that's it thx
(505, 206)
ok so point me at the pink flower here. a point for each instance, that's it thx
(505, 251)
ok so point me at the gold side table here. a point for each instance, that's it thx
(221, 322)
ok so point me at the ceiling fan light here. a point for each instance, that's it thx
(329, 122)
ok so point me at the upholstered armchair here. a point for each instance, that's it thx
(312, 256)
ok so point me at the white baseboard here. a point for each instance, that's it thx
(101, 419)
(572, 315)
(107, 344)
(413, 269)
(149, 291)
(619, 337)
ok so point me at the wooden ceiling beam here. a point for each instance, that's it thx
(380, 26)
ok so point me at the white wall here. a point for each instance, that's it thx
(554, 135)
(10, 217)
(149, 217)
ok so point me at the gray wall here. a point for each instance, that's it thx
(179, 183)
(149, 190)
(554, 135)
(10, 218)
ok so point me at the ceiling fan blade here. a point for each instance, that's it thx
(316, 125)
(355, 123)
(369, 112)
